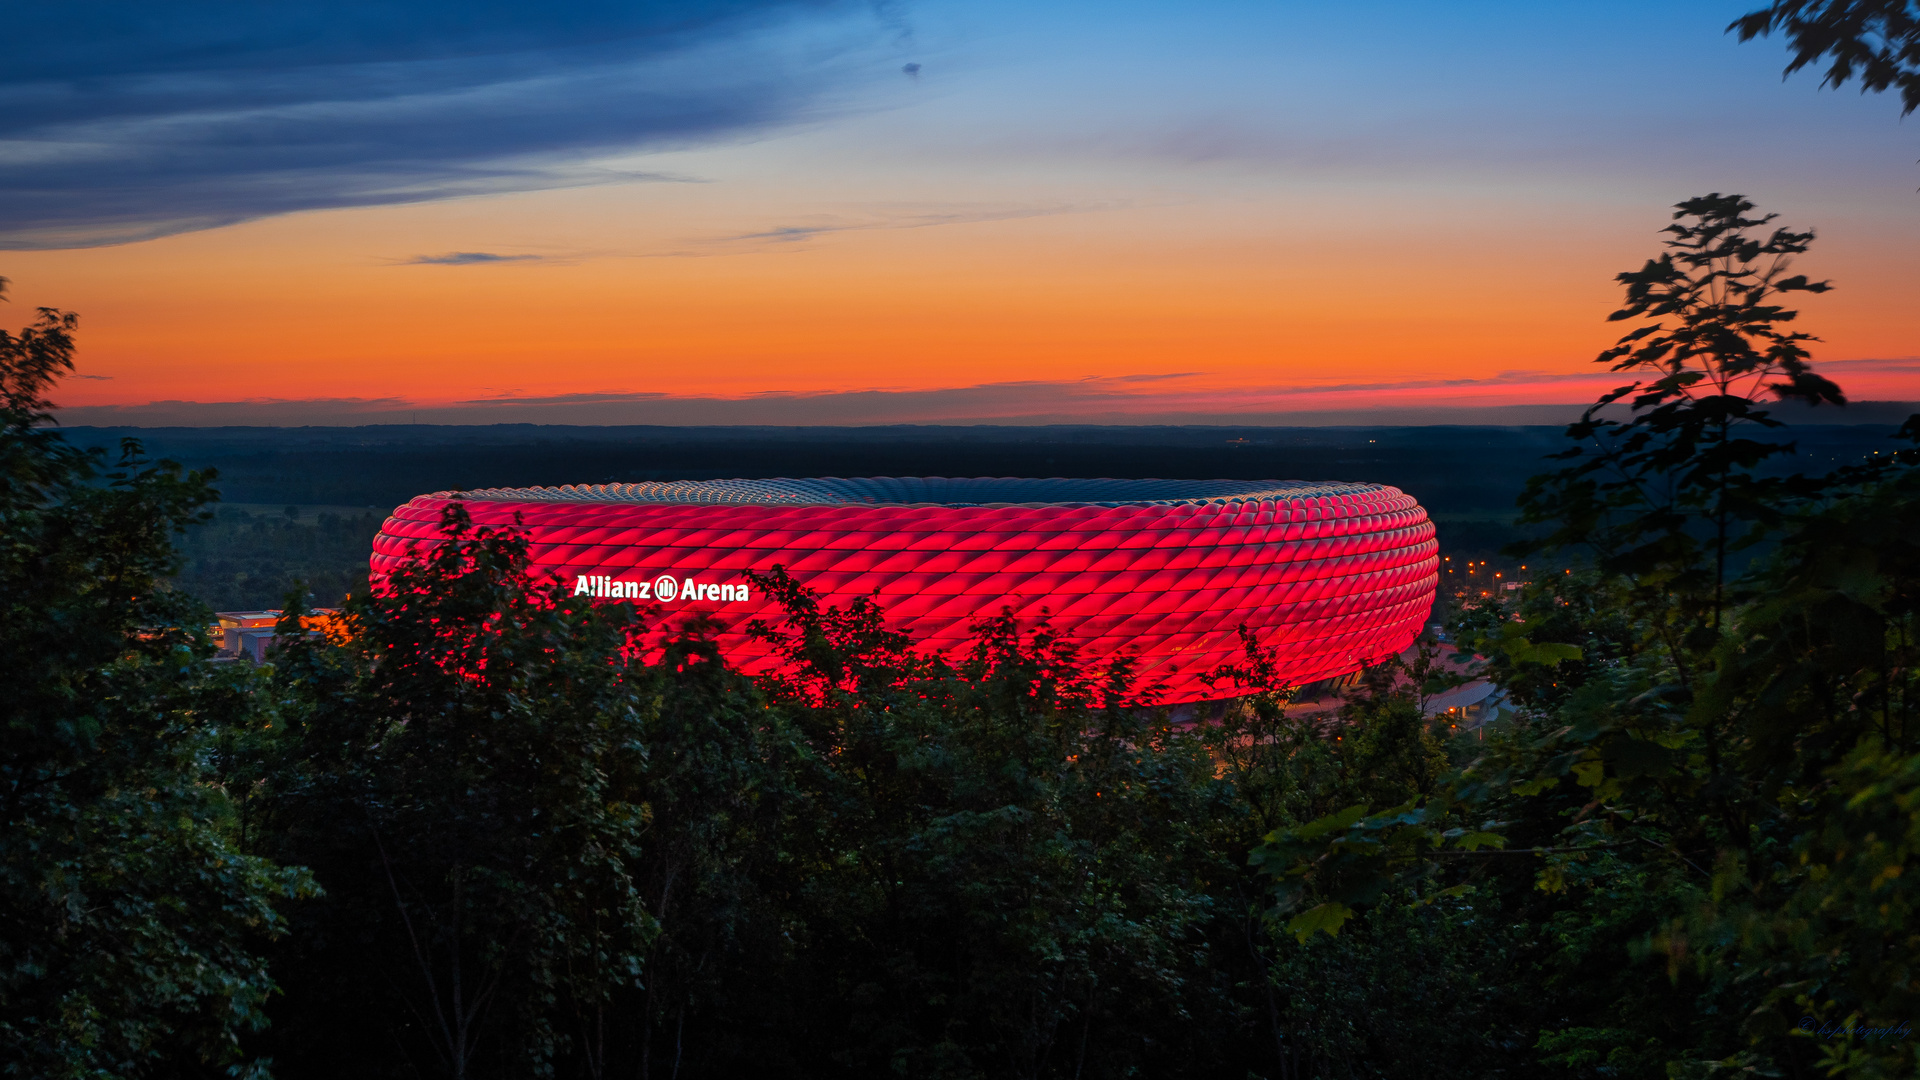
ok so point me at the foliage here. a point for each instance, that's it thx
(131, 928)
(1417, 987)
(1698, 814)
(1011, 852)
(1664, 500)
(884, 861)
(447, 766)
(1875, 41)
(1357, 924)
(721, 779)
(1707, 725)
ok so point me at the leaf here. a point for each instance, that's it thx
(1453, 893)
(1552, 652)
(1522, 650)
(1343, 819)
(1475, 841)
(1330, 917)
(1590, 773)
(1552, 879)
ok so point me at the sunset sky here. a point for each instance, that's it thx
(765, 212)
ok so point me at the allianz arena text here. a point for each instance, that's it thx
(1331, 574)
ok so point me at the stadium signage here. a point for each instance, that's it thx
(666, 589)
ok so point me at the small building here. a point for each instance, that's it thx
(245, 635)
(1468, 705)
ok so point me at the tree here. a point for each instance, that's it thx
(721, 868)
(131, 928)
(1335, 1001)
(1008, 855)
(1821, 680)
(1664, 500)
(1697, 818)
(447, 763)
(1875, 41)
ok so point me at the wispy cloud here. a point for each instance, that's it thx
(880, 217)
(1124, 379)
(1909, 365)
(787, 234)
(468, 258)
(1502, 379)
(886, 217)
(590, 398)
(119, 124)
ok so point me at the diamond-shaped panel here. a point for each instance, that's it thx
(1332, 574)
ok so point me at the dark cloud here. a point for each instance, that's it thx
(263, 412)
(122, 121)
(467, 258)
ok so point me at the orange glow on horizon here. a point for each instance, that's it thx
(1309, 307)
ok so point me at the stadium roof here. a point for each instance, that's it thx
(931, 491)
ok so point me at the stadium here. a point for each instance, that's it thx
(1329, 574)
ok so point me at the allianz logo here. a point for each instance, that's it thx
(666, 588)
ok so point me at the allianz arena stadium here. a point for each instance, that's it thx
(1331, 574)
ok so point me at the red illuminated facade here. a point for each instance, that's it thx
(1332, 574)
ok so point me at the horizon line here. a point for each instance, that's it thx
(296, 416)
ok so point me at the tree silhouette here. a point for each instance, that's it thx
(1670, 494)
(1875, 41)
